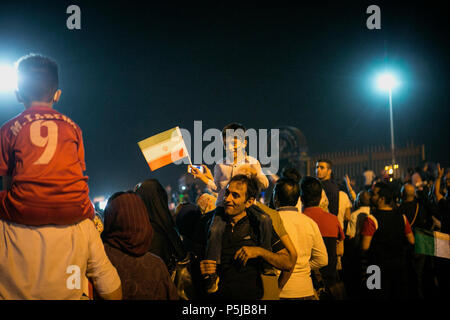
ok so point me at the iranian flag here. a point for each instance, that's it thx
(164, 148)
(432, 243)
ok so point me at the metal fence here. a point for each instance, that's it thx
(353, 162)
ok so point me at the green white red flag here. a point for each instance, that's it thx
(432, 243)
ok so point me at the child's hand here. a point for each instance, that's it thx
(198, 174)
(207, 172)
(440, 171)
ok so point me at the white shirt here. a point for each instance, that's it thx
(224, 171)
(356, 222)
(311, 252)
(43, 262)
(344, 204)
(369, 175)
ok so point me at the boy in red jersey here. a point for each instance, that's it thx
(42, 154)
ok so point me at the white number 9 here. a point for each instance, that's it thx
(49, 142)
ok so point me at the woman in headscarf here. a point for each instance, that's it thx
(127, 236)
(166, 239)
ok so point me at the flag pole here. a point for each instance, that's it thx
(184, 145)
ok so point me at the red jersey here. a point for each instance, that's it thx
(328, 223)
(42, 150)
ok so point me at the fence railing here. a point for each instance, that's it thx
(353, 162)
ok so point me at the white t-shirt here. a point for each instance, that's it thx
(311, 252)
(369, 175)
(344, 204)
(44, 262)
(356, 222)
(223, 172)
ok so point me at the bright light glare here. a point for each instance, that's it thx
(102, 204)
(8, 78)
(386, 81)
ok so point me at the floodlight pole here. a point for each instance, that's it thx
(392, 128)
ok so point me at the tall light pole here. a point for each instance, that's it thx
(387, 81)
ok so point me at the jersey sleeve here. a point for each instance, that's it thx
(369, 227)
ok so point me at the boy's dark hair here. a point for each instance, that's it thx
(252, 185)
(387, 192)
(291, 173)
(232, 126)
(287, 192)
(310, 191)
(330, 164)
(37, 78)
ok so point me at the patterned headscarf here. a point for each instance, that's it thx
(127, 226)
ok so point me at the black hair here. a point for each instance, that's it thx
(232, 126)
(291, 173)
(330, 164)
(364, 198)
(310, 191)
(386, 191)
(287, 192)
(37, 78)
(252, 185)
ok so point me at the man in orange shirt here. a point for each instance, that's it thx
(42, 154)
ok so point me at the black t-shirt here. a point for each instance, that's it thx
(237, 281)
(421, 220)
(332, 192)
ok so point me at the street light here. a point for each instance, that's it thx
(387, 81)
(8, 78)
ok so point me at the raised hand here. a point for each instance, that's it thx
(440, 171)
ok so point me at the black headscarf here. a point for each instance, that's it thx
(126, 224)
(187, 219)
(166, 241)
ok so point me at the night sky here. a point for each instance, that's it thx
(136, 69)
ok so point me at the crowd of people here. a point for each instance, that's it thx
(313, 238)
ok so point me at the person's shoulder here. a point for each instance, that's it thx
(330, 217)
(267, 210)
(306, 219)
(66, 118)
(362, 209)
(251, 160)
(157, 261)
(8, 123)
(371, 219)
(344, 195)
(88, 226)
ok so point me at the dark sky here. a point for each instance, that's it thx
(138, 68)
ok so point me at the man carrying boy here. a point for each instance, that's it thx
(236, 162)
(47, 246)
(42, 154)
